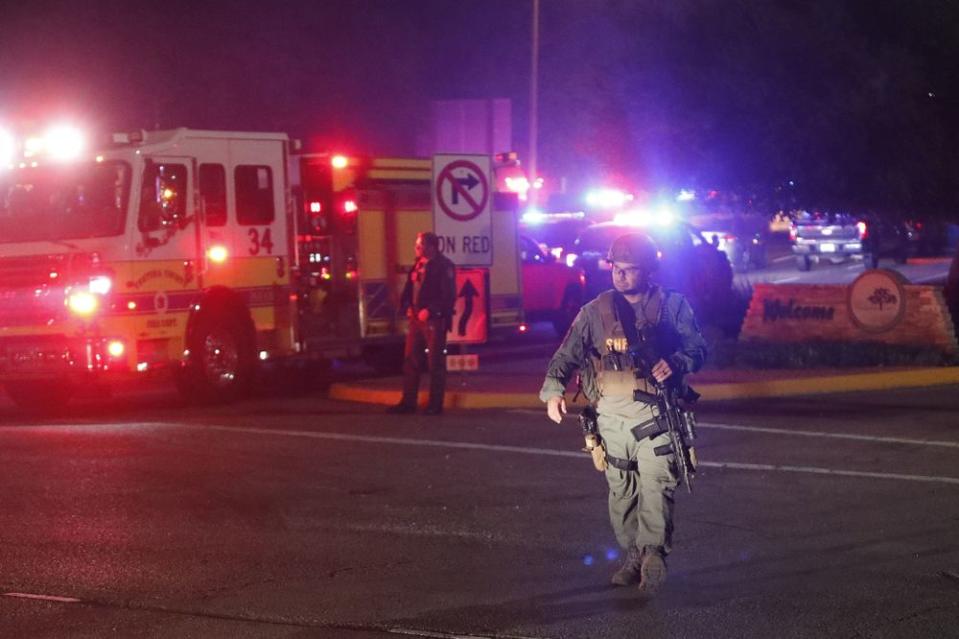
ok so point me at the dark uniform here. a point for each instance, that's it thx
(431, 285)
(641, 484)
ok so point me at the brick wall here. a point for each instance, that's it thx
(804, 312)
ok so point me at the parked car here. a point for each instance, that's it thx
(688, 263)
(837, 237)
(557, 231)
(741, 237)
(552, 291)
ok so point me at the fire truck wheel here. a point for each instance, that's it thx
(40, 397)
(222, 359)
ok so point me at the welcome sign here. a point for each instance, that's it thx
(879, 306)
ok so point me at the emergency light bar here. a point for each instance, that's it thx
(60, 143)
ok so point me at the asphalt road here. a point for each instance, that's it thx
(293, 516)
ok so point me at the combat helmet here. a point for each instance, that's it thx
(634, 248)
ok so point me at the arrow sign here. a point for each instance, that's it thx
(468, 292)
(471, 312)
(469, 182)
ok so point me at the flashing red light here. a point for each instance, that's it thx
(349, 206)
(523, 328)
(792, 233)
(316, 207)
(863, 230)
(339, 161)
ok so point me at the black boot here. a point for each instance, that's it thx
(629, 573)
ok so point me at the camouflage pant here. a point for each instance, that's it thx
(640, 502)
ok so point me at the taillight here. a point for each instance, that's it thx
(792, 233)
(863, 230)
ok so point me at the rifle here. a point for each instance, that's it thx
(673, 416)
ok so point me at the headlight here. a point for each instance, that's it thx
(83, 303)
(100, 284)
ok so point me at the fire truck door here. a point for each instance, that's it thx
(167, 225)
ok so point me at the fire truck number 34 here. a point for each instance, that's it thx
(260, 240)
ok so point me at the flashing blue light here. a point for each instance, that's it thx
(686, 195)
(588, 560)
(664, 216)
(534, 216)
(607, 198)
(612, 554)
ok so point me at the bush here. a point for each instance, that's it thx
(729, 353)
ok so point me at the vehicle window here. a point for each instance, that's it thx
(254, 194)
(163, 196)
(56, 202)
(212, 181)
(530, 252)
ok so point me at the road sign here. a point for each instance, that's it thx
(470, 315)
(462, 200)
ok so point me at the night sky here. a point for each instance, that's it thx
(853, 102)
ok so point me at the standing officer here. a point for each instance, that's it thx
(428, 299)
(641, 484)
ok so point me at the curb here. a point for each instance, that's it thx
(914, 378)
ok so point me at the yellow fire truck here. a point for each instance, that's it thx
(202, 253)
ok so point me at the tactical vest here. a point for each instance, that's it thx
(613, 367)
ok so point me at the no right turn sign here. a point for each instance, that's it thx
(462, 201)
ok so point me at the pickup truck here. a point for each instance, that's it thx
(840, 236)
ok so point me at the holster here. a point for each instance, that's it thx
(594, 446)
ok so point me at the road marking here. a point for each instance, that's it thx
(550, 452)
(813, 433)
(27, 595)
(783, 258)
(940, 277)
(789, 431)
(785, 279)
(89, 426)
(852, 266)
(831, 471)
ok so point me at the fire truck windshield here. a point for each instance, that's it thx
(62, 202)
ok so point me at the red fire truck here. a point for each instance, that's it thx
(202, 253)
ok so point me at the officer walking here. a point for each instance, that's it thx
(599, 345)
(427, 299)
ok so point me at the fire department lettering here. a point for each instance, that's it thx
(617, 344)
(162, 323)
